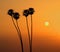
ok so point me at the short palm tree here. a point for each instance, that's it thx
(26, 13)
(31, 12)
(16, 17)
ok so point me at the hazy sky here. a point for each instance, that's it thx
(45, 38)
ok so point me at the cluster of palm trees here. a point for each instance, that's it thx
(15, 16)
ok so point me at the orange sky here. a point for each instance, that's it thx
(45, 10)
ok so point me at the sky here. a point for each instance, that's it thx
(45, 38)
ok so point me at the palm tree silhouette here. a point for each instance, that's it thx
(31, 12)
(26, 13)
(11, 12)
(16, 17)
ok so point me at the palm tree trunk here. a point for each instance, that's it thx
(20, 37)
(15, 25)
(31, 34)
(28, 32)
(19, 34)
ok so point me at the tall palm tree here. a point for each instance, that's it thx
(26, 13)
(16, 17)
(31, 12)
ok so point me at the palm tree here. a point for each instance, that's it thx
(16, 17)
(31, 12)
(11, 13)
(26, 13)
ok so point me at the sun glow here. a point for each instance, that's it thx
(46, 23)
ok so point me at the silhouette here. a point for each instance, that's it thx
(26, 13)
(10, 12)
(31, 12)
(16, 17)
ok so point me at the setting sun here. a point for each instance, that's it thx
(46, 23)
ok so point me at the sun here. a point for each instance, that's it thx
(46, 23)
